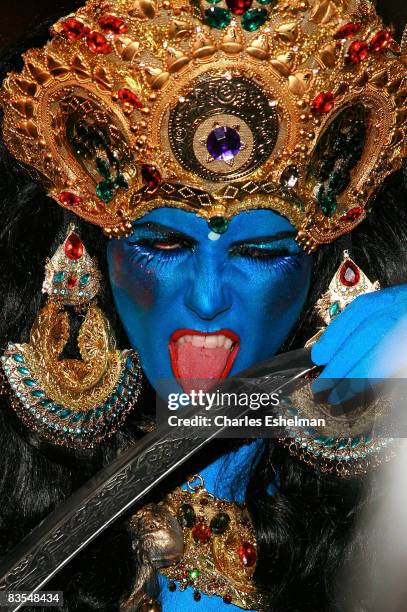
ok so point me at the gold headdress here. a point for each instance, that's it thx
(298, 106)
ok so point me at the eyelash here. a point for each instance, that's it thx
(149, 248)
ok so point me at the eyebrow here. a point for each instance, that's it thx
(261, 239)
(159, 227)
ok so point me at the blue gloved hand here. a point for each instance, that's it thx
(366, 342)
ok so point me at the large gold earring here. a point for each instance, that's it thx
(73, 402)
(348, 283)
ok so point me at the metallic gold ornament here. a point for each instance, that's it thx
(73, 402)
(74, 111)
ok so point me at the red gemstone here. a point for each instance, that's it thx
(98, 43)
(227, 599)
(238, 7)
(74, 29)
(129, 98)
(357, 52)
(247, 554)
(201, 533)
(151, 175)
(73, 247)
(380, 41)
(352, 214)
(69, 199)
(349, 274)
(323, 103)
(348, 30)
(72, 282)
(111, 24)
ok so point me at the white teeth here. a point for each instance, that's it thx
(228, 343)
(212, 341)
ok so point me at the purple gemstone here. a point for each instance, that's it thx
(223, 143)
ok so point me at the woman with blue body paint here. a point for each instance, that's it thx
(201, 296)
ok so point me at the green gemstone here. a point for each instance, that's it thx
(266, 1)
(105, 190)
(58, 277)
(186, 515)
(194, 574)
(334, 310)
(326, 202)
(329, 443)
(84, 280)
(217, 17)
(218, 224)
(88, 415)
(213, 1)
(121, 182)
(252, 20)
(103, 168)
(220, 523)
(320, 440)
(342, 443)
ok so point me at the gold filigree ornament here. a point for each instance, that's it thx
(219, 553)
(72, 402)
(112, 113)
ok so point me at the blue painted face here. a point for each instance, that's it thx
(194, 307)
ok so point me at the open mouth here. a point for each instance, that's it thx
(198, 359)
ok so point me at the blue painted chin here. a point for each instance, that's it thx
(199, 308)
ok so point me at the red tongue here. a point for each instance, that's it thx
(203, 365)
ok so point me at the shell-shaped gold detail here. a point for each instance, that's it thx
(259, 47)
(39, 74)
(156, 77)
(232, 41)
(203, 45)
(284, 63)
(57, 68)
(144, 8)
(178, 28)
(175, 59)
(300, 82)
(288, 31)
(127, 48)
(328, 56)
(324, 11)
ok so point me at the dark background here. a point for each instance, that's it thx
(19, 16)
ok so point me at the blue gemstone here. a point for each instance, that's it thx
(355, 442)
(129, 365)
(18, 357)
(58, 277)
(24, 371)
(29, 382)
(56, 408)
(84, 280)
(77, 417)
(64, 413)
(46, 403)
(98, 412)
(37, 393)
(88, 415)
(223, 143)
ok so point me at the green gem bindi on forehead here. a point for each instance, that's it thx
(218, 224)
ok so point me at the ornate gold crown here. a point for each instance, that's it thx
(297, 105)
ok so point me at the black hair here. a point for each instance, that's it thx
(306, 533)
